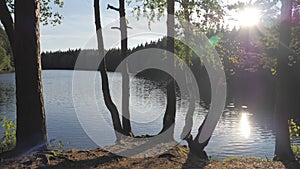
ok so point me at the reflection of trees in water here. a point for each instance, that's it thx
(7, 96)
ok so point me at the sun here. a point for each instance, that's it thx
(249, 17)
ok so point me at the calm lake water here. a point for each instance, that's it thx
(237, 133)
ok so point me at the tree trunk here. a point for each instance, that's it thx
(282, 145)
(125, 75)
(104, 78)
(31, 125)
(169, 117)
(196, 148)
(190, 88)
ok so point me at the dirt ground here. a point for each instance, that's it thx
(176, 158)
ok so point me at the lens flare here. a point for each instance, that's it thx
(249, 17)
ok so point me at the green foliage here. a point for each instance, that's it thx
(296, 149)
(6, 63)
(53, 144)
(229, 159)
(8, 141)
(48, 15)
(295, 44)
(294, 128)
(49, 11)
(4, 41)
(214, 159)
(151, 9)
(210, 12)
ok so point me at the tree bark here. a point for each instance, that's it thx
(190, 88)
(104, 78)
(31, 125)
(169, 117)
(196, 148)
(282, 145)
(125, 75)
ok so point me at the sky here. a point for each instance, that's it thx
(77, 29)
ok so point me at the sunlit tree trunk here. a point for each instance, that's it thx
(196, 148)
(125, 75)
(31, 126)
(104, 78)
(169, 117)
(282, 145)
(190, 88)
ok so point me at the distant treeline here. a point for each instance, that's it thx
(67, 59)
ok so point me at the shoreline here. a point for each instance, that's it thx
(176, 158)
(7, 72)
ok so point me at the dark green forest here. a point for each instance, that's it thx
(6, 61)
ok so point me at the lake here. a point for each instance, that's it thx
(237, 133)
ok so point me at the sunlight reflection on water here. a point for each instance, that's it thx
(245, 125)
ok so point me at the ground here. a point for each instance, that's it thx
(176, 158)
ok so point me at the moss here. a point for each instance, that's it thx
(74, 151)
(229, 159)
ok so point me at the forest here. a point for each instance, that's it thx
(6, 63)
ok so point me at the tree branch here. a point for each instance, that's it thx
(7, 21)
(113, 8)
(115, 28)
(128, 27)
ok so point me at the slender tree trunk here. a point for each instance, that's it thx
(282, 145)
(31, 125)
(190, 88)
(169, 117)
(104, 78)
(125, 75)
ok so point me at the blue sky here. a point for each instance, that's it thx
(78, 30)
